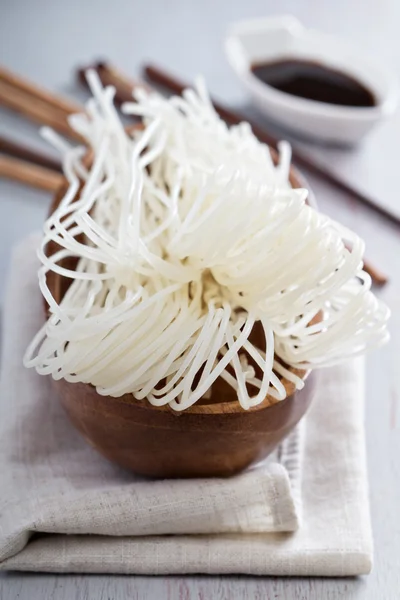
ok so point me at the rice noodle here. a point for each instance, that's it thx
(186, 234)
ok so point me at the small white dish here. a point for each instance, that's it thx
(263, 40)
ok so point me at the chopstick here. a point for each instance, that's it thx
(109, 75)
(33, 175)
(37, 104)
(29, 166)
(31, 155)
(159, 77)
(378, 278)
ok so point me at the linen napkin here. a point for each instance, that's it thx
(63, 508)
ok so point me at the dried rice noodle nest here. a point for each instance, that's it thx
(183, 236)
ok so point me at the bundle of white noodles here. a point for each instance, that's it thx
(186, 234)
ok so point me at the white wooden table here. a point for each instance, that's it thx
(45, 40)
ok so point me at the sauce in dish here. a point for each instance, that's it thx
(314, 81)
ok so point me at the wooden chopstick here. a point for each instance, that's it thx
(31, 155)
(37, 104)
(378, 278)
(33, 175)
(159, 77)
(109, 75)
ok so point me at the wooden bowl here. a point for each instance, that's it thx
(215, 437)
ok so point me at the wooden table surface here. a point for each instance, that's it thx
(45, 40)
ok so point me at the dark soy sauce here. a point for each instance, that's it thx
(314, 81)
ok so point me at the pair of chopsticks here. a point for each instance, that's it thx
(109, 75)
(31, 167)
(20, 162)
(37, 103)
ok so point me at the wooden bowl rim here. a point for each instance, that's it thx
(226, 407)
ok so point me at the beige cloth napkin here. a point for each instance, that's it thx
(63, 508)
